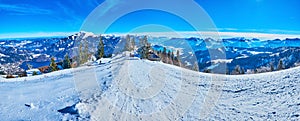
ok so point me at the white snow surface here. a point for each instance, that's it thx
(2, 55)
(222, 61)
(131, 89)
(255, 53)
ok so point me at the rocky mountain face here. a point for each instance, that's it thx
(17, 53)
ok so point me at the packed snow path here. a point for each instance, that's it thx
(145, 90)
(132, 89)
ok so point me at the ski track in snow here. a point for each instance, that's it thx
(131, 89)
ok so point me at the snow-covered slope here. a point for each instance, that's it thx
(131, 89)
(36, 99)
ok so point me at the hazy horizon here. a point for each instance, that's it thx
(177, 34)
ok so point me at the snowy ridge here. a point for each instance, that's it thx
(258, 97)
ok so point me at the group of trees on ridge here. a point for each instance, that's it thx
(145, 50)
(169, 57)
(85, 55)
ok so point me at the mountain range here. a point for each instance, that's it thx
(249, 54)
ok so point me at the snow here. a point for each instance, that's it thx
(222, 61)
(255, 53)
(44, 95)
(126, 89)
(213, 66)
(244, 56)
(30, 72)
(187, 63)
(103, 60)
(275, 54)
(88, 34)
(2, 55)
(61, 49)
(36, 55)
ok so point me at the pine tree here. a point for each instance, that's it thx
(164, 52)
(237, 70)
(100, 50)
(164, 55)
(169, 57)
(141, 41)
(227, 71)
(86, 51)
(29, 66)
(132, 43)
(280, 65)
(272, 67)
(195, 66)
(178, 61)
(141, 53)
(127, 43)
(243, 71)
(81, 56)
(66, 62)
(177, 54)
(172, 58)
(53, 65)
(145, 51)
(158, 53)
(146, 47)
(144, 41)
(34, 73)
(255, 71)
(207, 70)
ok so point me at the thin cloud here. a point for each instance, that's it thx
(70, 16)
(219, 35)
(38, 34)
(23, 9)
(267, 31)
(107, 5)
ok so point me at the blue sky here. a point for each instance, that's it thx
(65, 16)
